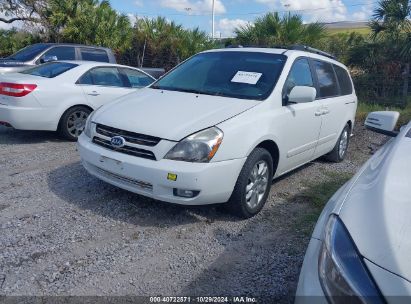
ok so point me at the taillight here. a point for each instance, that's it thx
(16, 89)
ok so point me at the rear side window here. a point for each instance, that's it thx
(327, 82)
(137, 79)
(300, 75)
(344, 80)
(94, 55)
(61, 53)
(50, 70)
(106, 76)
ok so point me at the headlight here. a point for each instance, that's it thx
(197, 148)
(89, 125)
(344, 277)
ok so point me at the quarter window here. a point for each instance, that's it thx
(327, 82)
(137, 79)
(344, 80)
(300, 75)
(62, 53)
(94, 55)
(109, 77)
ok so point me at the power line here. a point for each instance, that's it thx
(264, 12)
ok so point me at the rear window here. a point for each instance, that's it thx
(344, 80)
(50, 70)
(94, 55)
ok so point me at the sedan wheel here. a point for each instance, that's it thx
(76, 123)
(73, 121)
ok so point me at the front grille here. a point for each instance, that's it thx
(121, 178)
(126, 149)
(131, 137)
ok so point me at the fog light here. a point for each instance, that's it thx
(185, 193)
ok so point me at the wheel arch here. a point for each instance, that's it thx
(69, 108)
(272, 147)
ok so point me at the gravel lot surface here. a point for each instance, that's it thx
(64, 232)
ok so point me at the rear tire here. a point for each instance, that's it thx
(339, 152)
(73, 121)
(253, 185)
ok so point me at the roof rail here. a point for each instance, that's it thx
(295, 47)
(300, 47)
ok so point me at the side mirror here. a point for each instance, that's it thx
(46, 58)
(383, 122)
(302, 94)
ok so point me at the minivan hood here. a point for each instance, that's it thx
(377, 209)
(168, 114)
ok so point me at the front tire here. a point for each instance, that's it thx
(339, 152)
(253, 185)
(73, 121)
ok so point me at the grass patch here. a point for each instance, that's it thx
(360, 30)
(317, 195)
(365, 108)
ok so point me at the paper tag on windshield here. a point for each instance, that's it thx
(246, 77)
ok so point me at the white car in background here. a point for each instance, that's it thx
(61, 95)
(220, 126)
(360, 250)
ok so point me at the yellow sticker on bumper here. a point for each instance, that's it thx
(172, 177)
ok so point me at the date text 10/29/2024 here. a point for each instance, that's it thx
(203, 300)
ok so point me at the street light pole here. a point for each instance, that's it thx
(213, 21)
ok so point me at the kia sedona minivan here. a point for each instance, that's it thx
(220, 126)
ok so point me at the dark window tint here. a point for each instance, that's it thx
(326, 79)
(94, 55)
(61, 53)
(137, 79)
(344, 80)
(300, 75)
(29, 52)
(107, 76)
(50, 70)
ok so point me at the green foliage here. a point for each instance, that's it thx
(13, 40)
(87, 22)
(271, 30)
(161, 43)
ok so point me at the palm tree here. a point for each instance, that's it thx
(391, 27)
(271, 30)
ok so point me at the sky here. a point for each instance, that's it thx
(233, 13)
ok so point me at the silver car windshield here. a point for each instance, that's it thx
(244, 75)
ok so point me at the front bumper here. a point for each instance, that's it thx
(214, 181)
(309, 288)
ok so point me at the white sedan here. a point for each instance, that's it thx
(60, 95)
(360, 248)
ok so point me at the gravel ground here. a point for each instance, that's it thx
(64, 232)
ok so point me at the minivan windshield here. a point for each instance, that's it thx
(29, 52)
(238, 74)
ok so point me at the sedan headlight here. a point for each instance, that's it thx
(197, 148)
(89, 125)
(343, 274)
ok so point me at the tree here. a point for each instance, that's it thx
(20, 10)
(271, 30)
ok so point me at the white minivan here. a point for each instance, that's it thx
(221, 125)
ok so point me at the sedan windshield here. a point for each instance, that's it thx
(29, 52)
(245, 75)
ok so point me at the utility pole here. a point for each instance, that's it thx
(213, 21)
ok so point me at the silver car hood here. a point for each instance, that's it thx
(377, 208)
